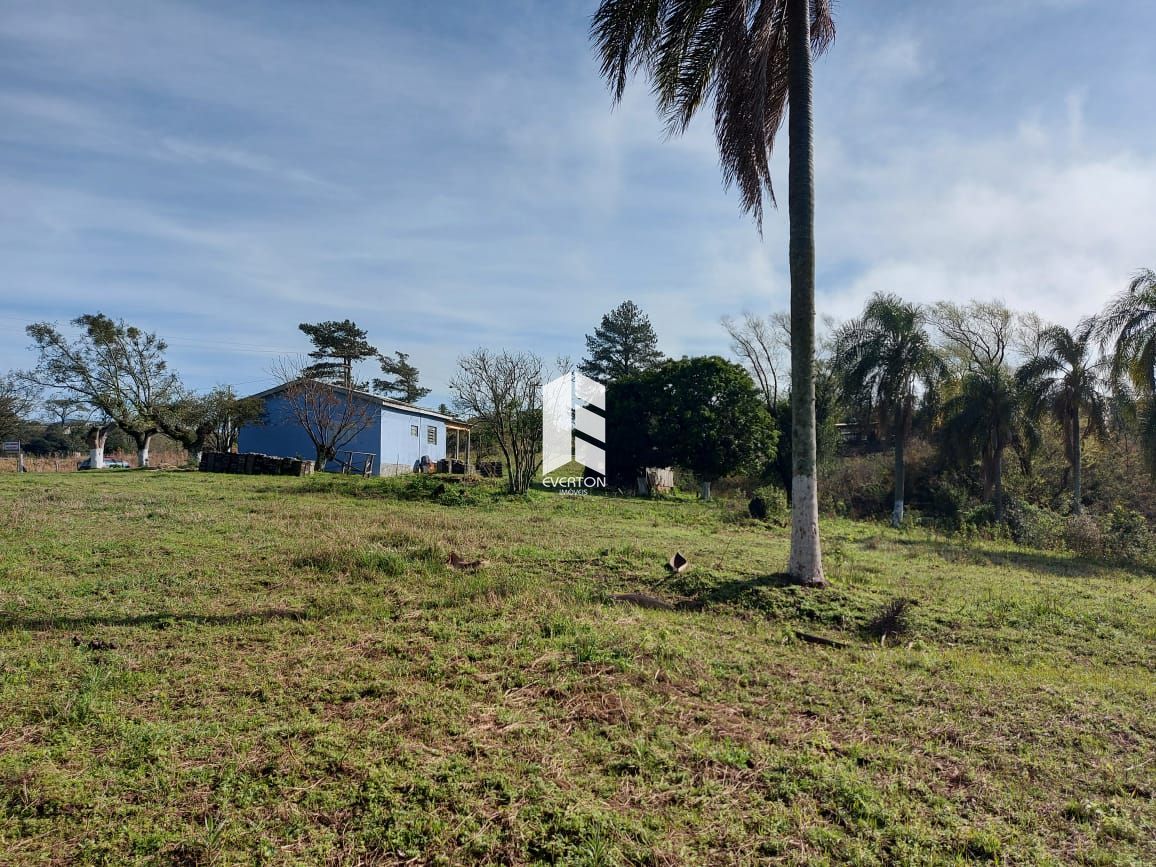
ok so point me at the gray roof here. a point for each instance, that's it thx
(385, 402)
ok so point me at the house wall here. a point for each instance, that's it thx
(400, 449)
(282, 436)
(389, 440)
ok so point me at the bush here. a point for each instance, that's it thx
(947, 501)
(1082, 536)
(978, 517)
(1127, 534)
(1035, 527)
(857, 487)
(769, 503)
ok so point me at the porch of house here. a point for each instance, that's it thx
(458, 449)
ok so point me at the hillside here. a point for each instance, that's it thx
(202, 669)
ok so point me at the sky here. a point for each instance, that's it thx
(453, 175)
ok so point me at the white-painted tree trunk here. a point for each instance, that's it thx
(900, 478)
(806, 561)
(704, 490)
(142, 457)
(96, 458)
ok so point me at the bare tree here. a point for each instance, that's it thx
(331, 414)
(1030, 335)
(978, 334)
(115, 368)
(764, 346)
(503, 390)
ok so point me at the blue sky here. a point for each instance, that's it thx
(452, 175)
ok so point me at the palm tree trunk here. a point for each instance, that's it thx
(806, 565)
(1077, 480)
(999, 485)
(900, 478)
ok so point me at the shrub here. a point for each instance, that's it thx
(947, 500)
(857, 487)
(769, 504)
(1035, 527)
(1127, 535)
(1082, 535)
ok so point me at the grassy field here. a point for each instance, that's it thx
(203, 669)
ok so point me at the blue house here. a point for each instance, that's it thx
(397, 435)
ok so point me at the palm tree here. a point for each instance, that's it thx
(1129, 322)
(881, 358)
(752, 57)
(1064, 381)
(986, 417)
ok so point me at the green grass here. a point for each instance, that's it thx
(298, 678)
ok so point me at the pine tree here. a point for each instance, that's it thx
(403, 385)
(623, 344)
(336, 346)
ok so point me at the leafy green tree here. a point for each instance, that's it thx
(703, 414)
(17, 400)
(986, 417)
(336, 347)
(210, 421)
(117, 369)
(712, 420)
(1129, 323)
(634, 417)
(64, 410)
(882, 359)
(751, 59)
(1066, 382)
(623, 344)
(403, 382)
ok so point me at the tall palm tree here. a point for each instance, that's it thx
(752, 58)
(1129, 323)
(987, 416)
(881, 359)
(1065, 381)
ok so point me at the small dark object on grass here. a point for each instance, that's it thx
(93, 644)
(893, 619)
(758, 508)
(677, 564)
(820, 640)
(439, 490)
(465, 565)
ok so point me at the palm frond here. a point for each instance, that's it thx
(733, 52)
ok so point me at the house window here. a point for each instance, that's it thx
(431, 435)
(413, 430)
